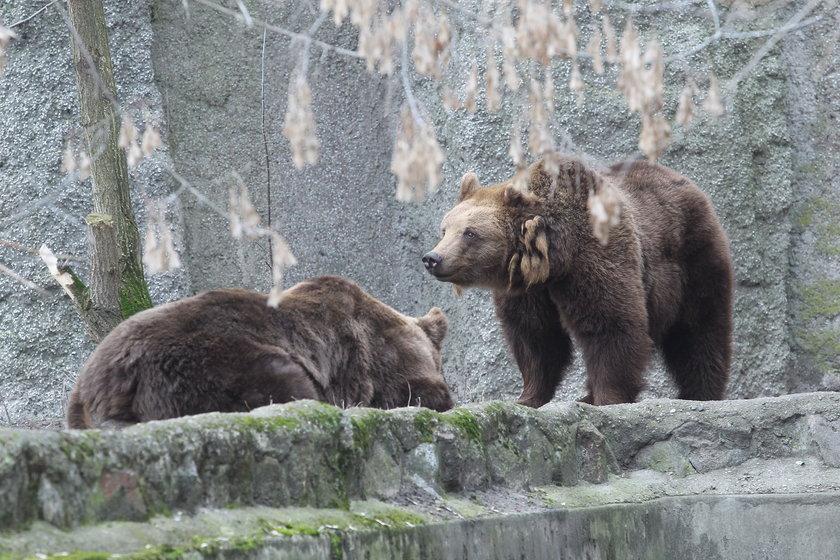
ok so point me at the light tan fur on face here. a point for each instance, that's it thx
(467, 260)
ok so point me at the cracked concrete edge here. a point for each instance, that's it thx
(709, 527)
(309, 454)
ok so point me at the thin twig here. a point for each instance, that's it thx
(23, 248)
(469, 13)
(722, 34)
(15, 276)
(265, 147)
(769, 44)
(715, 15)
(186, 186)
(277, 29)
(24, 20)
(409, 94)
(662, 7)
(309, 33)
(766, 32)
(246, 15)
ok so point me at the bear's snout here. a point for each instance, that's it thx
(432, 260)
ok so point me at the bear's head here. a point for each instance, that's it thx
(420, 348)
(494, 238)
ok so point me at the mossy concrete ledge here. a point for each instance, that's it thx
(307, 474)
(299, 454)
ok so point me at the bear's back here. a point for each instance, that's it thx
(678, 230)
(673, 215)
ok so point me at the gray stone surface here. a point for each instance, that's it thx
(769, 164)
(660, 479)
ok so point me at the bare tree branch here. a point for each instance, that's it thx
(19, 247)
(277, 29)
(18, 278)
(31, 16)
(765, 48)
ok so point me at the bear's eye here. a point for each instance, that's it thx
(469, 234)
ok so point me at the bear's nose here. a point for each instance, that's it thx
(431, 260)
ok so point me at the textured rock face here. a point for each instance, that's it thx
(533, 481)
(770, 165)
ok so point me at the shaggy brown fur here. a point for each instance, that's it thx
(663, 280)
(225, 350)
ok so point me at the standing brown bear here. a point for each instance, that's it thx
(664, 277)
(226, 350)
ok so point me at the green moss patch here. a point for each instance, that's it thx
(823, 347)
(821, 299)
(365, 427)
(466, 423)
(425, 422)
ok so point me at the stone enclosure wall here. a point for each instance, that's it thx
(753, 479)
(218, 91)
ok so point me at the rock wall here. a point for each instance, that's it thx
(661, 479)
(218, 90)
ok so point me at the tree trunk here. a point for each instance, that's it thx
(117, 286)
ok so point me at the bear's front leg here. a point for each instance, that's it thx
(615, 363)
(539, 342)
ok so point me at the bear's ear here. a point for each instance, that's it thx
(435, 325)
(514, 196)
(469, 184)
(532, 262)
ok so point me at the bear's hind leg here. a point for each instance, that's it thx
(698, 361)
(540, 344)
(698, 348)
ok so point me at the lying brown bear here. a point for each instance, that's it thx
(225, 350)
(663, 279)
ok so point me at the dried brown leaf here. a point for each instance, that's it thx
(471, 89)
(151, 140)
(128, 133)
(417, 158)
(243, 217)
(281, 259)
(604, 212)
(84, 166)
(494, 79)
(593, 49)
(6, 35)
(713, 104)
(68, 159)
(609, 37)
(655, 135)
(449, 99)
(685, 108)
(299, 127)
(159, 254)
